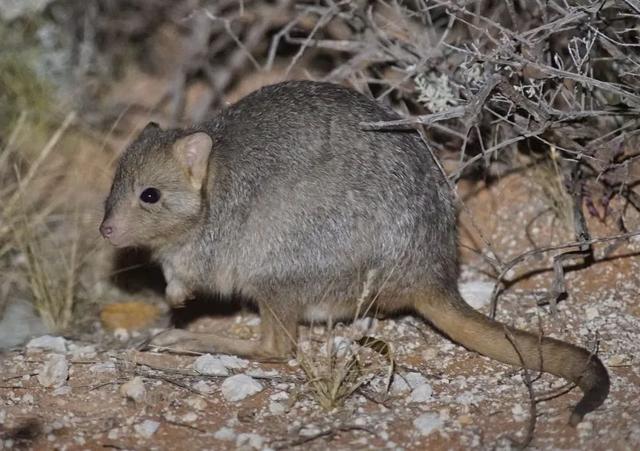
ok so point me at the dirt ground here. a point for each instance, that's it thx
(442, 397)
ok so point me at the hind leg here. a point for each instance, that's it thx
(277, 342)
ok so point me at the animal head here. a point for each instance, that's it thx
(157, 190)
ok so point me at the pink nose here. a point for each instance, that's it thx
(106, 230)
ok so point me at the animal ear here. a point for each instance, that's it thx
(192, 153)
(150, 127)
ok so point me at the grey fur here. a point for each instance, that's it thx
(304, 202)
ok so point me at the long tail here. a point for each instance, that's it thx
(477, 332)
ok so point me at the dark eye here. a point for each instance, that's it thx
(150, 196)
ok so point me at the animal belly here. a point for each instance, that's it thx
(325, 312)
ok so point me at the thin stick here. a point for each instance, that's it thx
(51, 144)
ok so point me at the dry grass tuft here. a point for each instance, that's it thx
(348, 358)
(43, 240)
(341, 366)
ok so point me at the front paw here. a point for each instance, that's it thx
(177, 294)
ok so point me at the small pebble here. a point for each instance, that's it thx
(277, 408)
(196, 402)
(147, 428)
(233, 362)
(134, 389)
(422, 393)
(210, 366)
(427, 423)
(226, 434)
(62, 391)
(407, 382)
(189, 417)
(518, 413)
(240, 386)
(591, 313)
(249, 440)
(82, 352)
(203, 387)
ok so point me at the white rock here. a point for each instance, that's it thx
(592, 313)
(309, 430)
(226, 434)
(203, 387)
(56, 425)
(409, 381)
(279, 396)
(518, 413)
(430, 354)
(54, 372)
(103, 367)
(147, 428)
(399, 385)
(196, 402)
(233, 362)
(585, 426)
(277, 408)
(62, 391)
(3, 416)
(210, 366)
(476, 293)
(250, 440)
(134, 389)
(27, 399)
(240, 386)
(467, 398)
(415, 379)
(422, 393)
(49, 343)
(82, 352)
(427, 423)
(189, 417)
(113, 434)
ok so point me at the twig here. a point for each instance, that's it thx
(327, 432)
(33, 169)
(520, 258)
